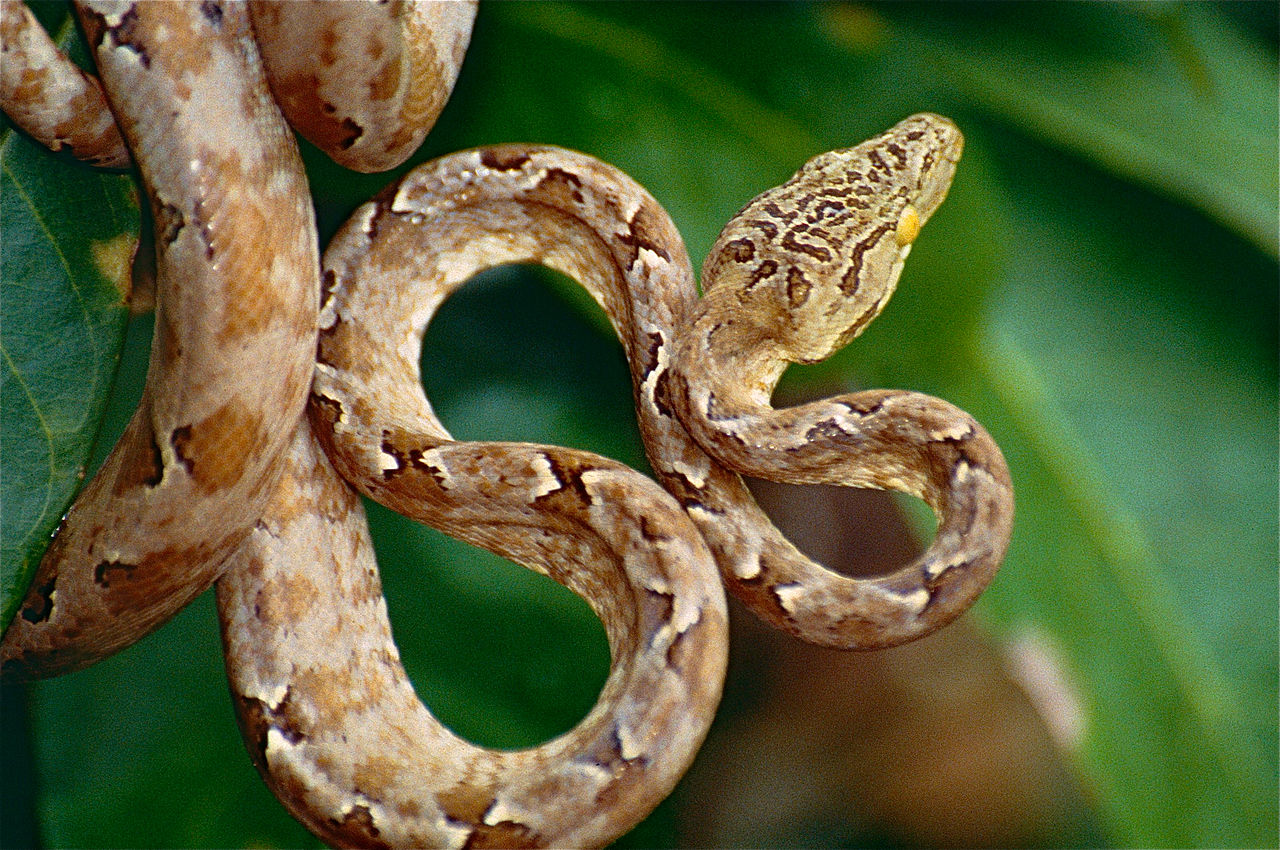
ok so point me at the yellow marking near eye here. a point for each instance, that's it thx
(908, 226)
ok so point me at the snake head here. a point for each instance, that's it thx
(814, 260)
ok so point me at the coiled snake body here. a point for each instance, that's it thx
(326, 709)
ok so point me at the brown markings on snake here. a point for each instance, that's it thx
(626, 772)
(124, 34)
(143, 467)
(827, 430)
(648, 532)
(741, 250)
(562, 188)
(466, 803)
(864, 404)
(381, 209)
(437, 473)
(328, 283)
(108, 572)
(798, 287)
(504, 159)
(389, 447)
(790, 241)
(656, 613)
(849, 280)
(568, 476)
(503, 834)
(682, 645)
(827, 205)
(202, 227)
(212, 12)
(641, 230)
(768, 228)
(348, 133)
(37, 610)
(663, 395)
(655, 342)
(774, 211)
(766, 269)
(180, 439)
(607, 750)
(357, 828)
(329, 410)
(169, 221)
(218, 443)
(256, 720)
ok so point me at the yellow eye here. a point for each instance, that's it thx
(908, 226)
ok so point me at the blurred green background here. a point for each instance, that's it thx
(1100, 290)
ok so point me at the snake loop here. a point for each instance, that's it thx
(605, 531)
(795, 275)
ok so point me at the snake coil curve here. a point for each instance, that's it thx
(326, 710)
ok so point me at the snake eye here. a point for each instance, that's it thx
(908, 226)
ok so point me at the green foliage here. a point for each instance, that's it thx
(1099, 290)
(69, 237)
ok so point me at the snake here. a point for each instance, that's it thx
(326, 710)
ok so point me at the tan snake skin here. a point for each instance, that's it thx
(327, 712)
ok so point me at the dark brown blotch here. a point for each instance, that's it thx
(655, 342)
(180, 439)
(109, 572)
(818, 252)
(766, 269)
(741, 250)
(39, 604)
(503, 834)
(662, 394)
(357, 829)
(169, 222)
(568, 474)
(212, 12)
(644, 231)
(127, 34)
(389, 447)
(798, 288)
(504, 159)
(417, 461)
(768, 228)
(563, 188)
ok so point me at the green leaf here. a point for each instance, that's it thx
(69, 238)
(1172, 97)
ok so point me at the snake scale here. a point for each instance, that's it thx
(221, 476)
